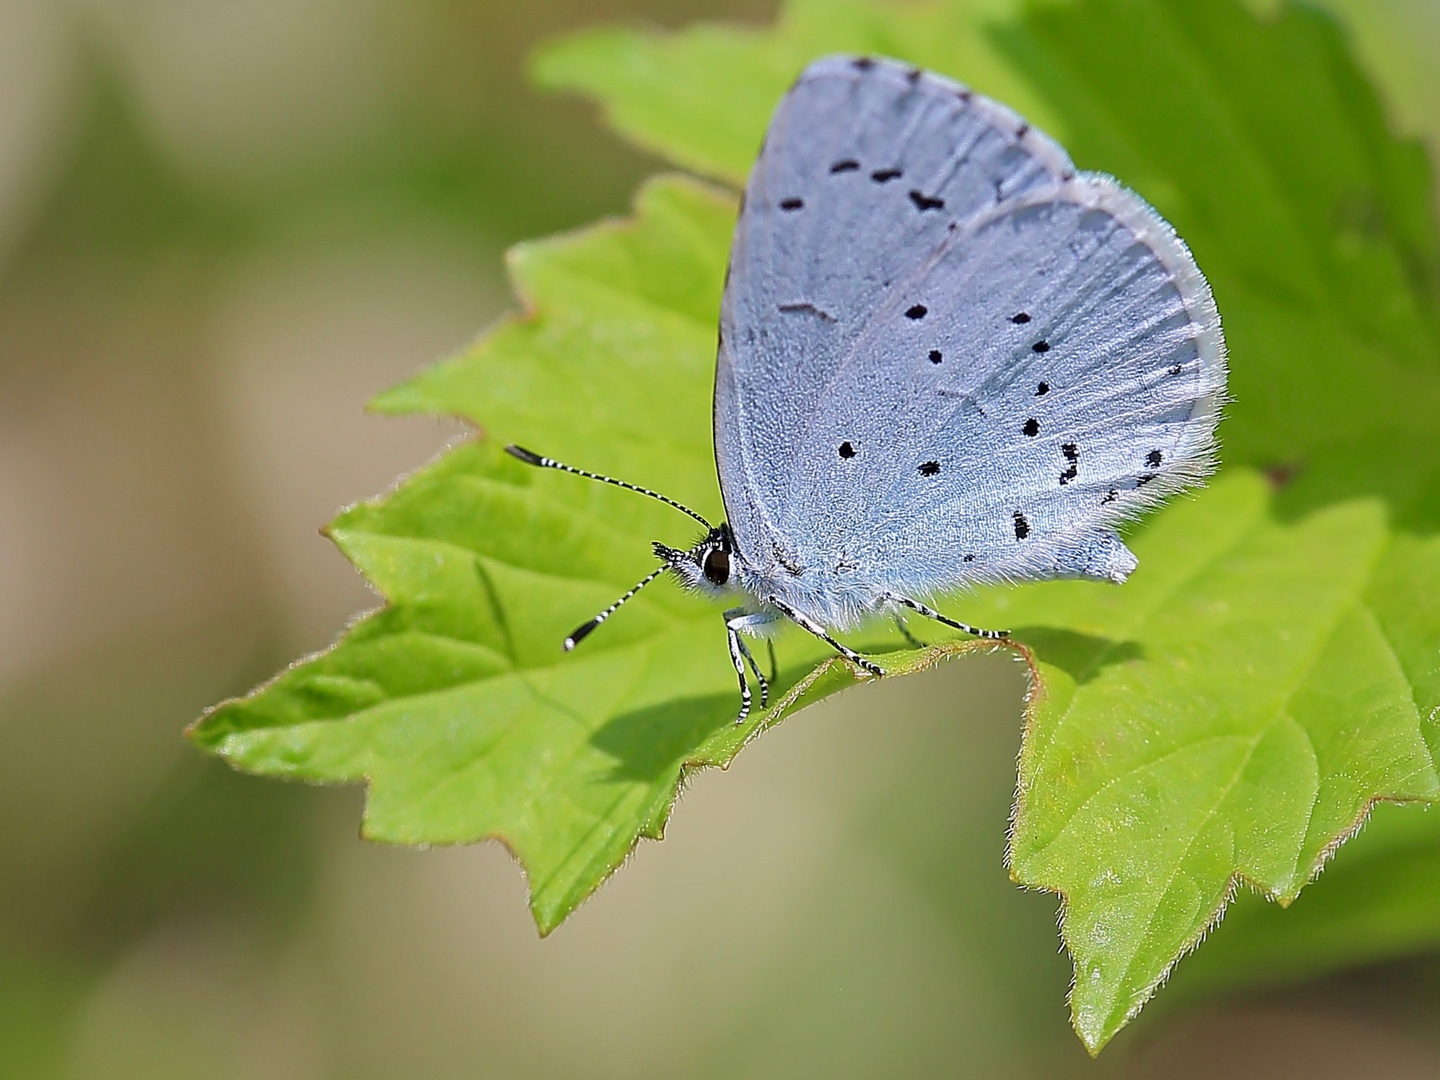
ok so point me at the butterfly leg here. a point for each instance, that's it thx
(737, 659)
(737, 619)
(819, 631)
(915, 643)
(931, 613)
(755, 669)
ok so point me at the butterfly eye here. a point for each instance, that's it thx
(716, 566)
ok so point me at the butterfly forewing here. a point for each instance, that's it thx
(830, 225)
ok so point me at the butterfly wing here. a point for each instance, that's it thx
(945, 357)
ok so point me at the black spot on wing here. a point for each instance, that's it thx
(1031, 427)
(929, 468)
(1022, 527)
(846, 450)
(1041, 346)
(864, 63)
(1153, 458)
(936, 356)
(844, 165)
(924, 202)
(792, 204)
(1042, 389)
(1020, 317)
(884, 176)
(916, 311)
(1072, 455)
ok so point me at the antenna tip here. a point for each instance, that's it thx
(578, 634)
(527, 456)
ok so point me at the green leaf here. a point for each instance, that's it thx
(1263, 143)
(1315, 227)
(702, 98)
(1375, 901)
(1311, 221)
(455, 703)
(1231, 713)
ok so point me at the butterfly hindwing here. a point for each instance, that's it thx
(1074, 384)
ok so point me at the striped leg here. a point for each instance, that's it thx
(736, 620)
(931, 613)
(755, 670)
(819, 631)
(737, 658)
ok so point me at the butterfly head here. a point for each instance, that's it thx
(708, 566)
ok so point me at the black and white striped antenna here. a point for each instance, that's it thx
(580, 632)
(532, 458)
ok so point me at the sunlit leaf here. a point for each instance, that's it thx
(1262, 142)
(702, 97)
(1231, 713)
(455, 703)
(1375, 901)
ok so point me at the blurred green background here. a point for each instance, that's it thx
(224, 224)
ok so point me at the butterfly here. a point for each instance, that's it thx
(946, 358)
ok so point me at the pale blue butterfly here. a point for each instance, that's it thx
(946, 358)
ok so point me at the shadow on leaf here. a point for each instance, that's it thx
(1081, 656)
(648, 742)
